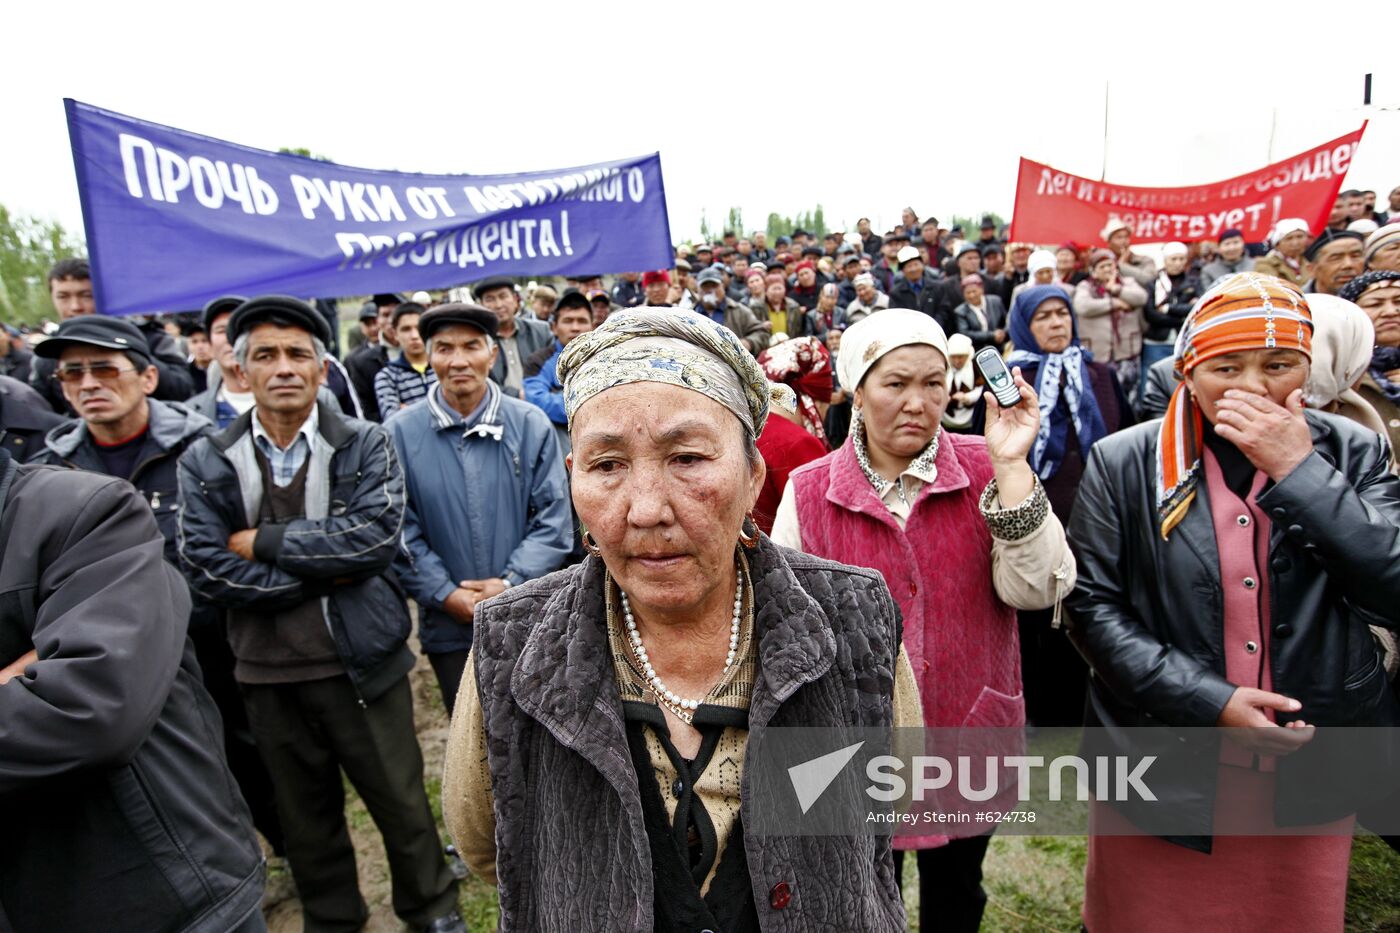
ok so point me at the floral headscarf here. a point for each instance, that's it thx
(674, 346)
(804, 365)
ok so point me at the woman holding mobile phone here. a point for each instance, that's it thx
(963, 533)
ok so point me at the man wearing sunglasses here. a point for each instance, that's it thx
(106, 371)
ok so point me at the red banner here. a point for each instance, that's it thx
(1054, 206)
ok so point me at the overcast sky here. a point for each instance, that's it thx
(775, 107)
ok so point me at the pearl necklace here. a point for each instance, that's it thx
(679, 705)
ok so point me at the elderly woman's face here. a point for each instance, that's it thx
(1270, 373)
(661, 481)
(1382, 305)
(1174, 263)
(902, 399)
(1052, 325)
(1386, 259)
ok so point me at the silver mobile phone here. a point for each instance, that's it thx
(998, 377)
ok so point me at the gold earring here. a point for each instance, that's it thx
(748, 541)
(590, 545)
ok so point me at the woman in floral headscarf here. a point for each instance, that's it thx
(596, 768)
(1231, 557)
(793, 438)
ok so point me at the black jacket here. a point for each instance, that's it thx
(344, 556)
(17, 363)
(172, 429)
(965, 322)
(363, 364)
(175, 383)
(119, 810)
(1163, 320)
(928, 300)
(25, 418)
(1157, 392)
(1147, 613)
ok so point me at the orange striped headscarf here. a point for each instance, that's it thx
(1244, 311)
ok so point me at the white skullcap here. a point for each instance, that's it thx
(1040, 259)
(872, 337)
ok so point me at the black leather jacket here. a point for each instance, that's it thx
(1147, 614)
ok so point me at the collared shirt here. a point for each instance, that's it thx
(515, 368)
(898, 495)
(284, 464)
(484, 419)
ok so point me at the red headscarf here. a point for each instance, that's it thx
(803, 364)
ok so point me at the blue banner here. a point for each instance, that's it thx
(174, 219)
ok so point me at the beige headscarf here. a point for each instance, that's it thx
(1343, 337)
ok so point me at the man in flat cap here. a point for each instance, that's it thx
(1337, 258)
(518, 336)
(366, 332)
(290, 519)
(509, 522)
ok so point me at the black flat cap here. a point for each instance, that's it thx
(278, 309)
(221, 305)
(95, 330)
(387, 298)
(573, 298)
(457, 312)
(494, 282)
(1329, 235)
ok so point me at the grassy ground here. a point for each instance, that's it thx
(1034, 883)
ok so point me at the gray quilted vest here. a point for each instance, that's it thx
(572, 850)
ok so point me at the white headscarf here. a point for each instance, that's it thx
(872, 337)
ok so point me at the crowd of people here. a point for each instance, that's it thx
(777, 492)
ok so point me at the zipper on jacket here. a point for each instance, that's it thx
(1061, 572)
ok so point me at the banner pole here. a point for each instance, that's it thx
(1103, 171)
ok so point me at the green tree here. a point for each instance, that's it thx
(29, 246)
(304, 153)
(972, 224)
(734, 222)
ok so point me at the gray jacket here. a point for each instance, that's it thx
(567, 798)
(530, 336)
(120, 812)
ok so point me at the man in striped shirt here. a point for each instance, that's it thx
(407, 379)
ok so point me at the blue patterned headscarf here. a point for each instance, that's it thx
(1083, 408)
